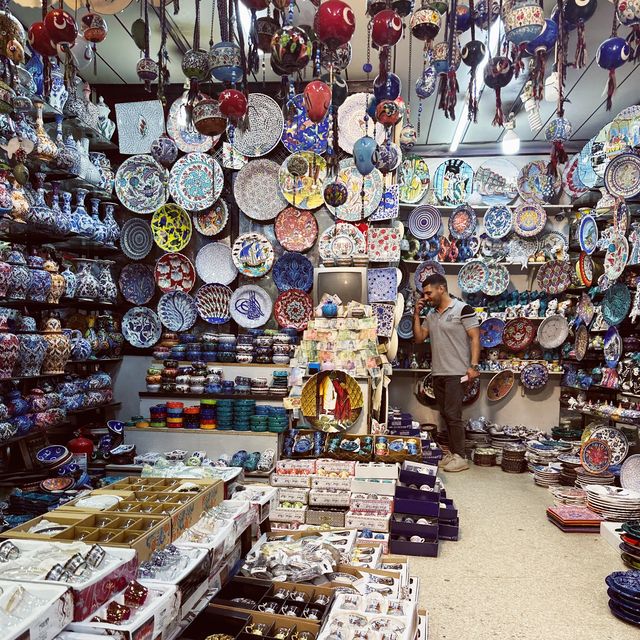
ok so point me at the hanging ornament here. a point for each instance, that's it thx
(363, 150)
(402, 7)
(387, 87)
(611, 55)
(207, 117)
(12, 36)
(522, 21)
(539, 48)
(225, 62)
(195, 64)
(629, 16)
(94, 29)
(290, 50)
(255, 5)
(265, 29)
(472, 54)
(486, 12)
(386, 28)
(147, 70)
(337, 59)
(408, 137)
(40, 40)
(425, 23)
(446, 59)
(426, 84)
(335, 193)
(233, 103)
(389, 112)
(464, 17)
(61, 26)
(558, 131)
(317, 100)
(81, 53)
(375, 6)
(387, 157)
(497, 75)
(339, 88)
(577, 12)
(334, 23)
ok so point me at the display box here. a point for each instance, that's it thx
(302, 481)
(417, 507)
(61, 518)
(367, 521)
(417, 494)
(375, 487)
(289, 494)
(447, 510)
(417, 479)
(418, 467)
(295, 467)
(382, 542)
(262, 497)
(327, 516)
(281, 514)
(384, 452)
(448, 531)
(427, 549)
(368, 503)
(323, 498)
(328, 465)
(407, 529)
(371, 470)
(400, 564)
(331, 483)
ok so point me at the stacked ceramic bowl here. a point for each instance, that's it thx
(546, 476)
(208, 413)
(278, 419)
(259, 386)
(263, 353)
(243, 409)
(624, 595)
(224, 414)
(191, 417)
(244, 349)
(280, 383)
(513, 460)
(570, 464)
(53, 457)
(158, 416)
(242, 384)
(227, 347)
(630, 544)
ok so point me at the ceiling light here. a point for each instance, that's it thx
(510, 140)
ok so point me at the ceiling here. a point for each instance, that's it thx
(584, 87)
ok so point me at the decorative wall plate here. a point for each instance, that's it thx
(497, 281)
(615, 259)
(136, 239)
(212, 302)
(352, 125)
(354, 210)
(553, 331)
(491, 332)
(293, 308)
(453, 182)
(595, 455)
(171, 227)
(612, 347)
(385, 314)
(622, 176)
(571, 178)
(139, 124)
(462, 222)
(473, 276)
(214, 263)
(414, 179)
(536, 184)
(555, 276)
(264, 128)
(257, 192)
(252, 254)
(177, 311)
(586, 173)
(300, 133)
(616, 304)
(529, 219)
(342, 240)
(518, 334)
(250, 306)
(554, 245)
(301, 179)
(184, 134)
(518, 249)
(136, 283)
(141, 184)
(382, 284)
(585, 309)
(496, 180)
(293, 271)
(581, 342)
(175, 272)
(212, 221)
(196, 181)
(389, 207)
(625, 129)
(585, 269)
(424, 222)
(588, 234)
(141, 327)
(498, 221)
(52, 454)
(424, 270)
(534, 376)
(384, 244)
(296, 229)
(405, 327)
(630, 477)
(599, 156)
(500, 385)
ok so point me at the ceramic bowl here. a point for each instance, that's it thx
(198, 388)
(281, 359)
(244, 358)
(153, 388)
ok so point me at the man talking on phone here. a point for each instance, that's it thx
(453, 329)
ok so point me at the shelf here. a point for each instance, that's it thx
(64, 303)
(401, 370)
(34, 432)
(38, 377)
(483, 207)
(99, 407)
(95, 361)
(628, 394)
(230, 364)
(266, 434)
(80, 129)
(214, 396)
(507, 264)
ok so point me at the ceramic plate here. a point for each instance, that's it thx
(615, 259)
(300, 133)
(252, 254)
(497, 281)
(264, 128)
(214, 263)
(184, 134)
(453, 182)
(414, 179)
(382, 284)
(498, 221)
(630, 475)
(301, 179)
(50, 455)
(212, 221)
(581, 342)
(424, 270)
(257, 191)
(625, 130)
(571, 178)
(462, 222)
(584, 269)
(175, 272)
(616, 304)
(599, 156)
(595, 455)
(384, 244)
(354, 209)
(534, 376)
(141, 184)
(212, 302)
(473, 276)
(529, 219)
(389, 207)
(518, 334)
(385, 316)
(196, 181)
(496, 180)
(293, 271)
(588, 234)
(171, 227)
(554, 245)
(536, 184)
(141, 327)
(342, 240)
(585, 309)
(53, 485)
(177, 311)
(250, 306)
(500, 385)
(612, 347)
(555, 276)
(586, 174)
(553, 331)
(352, 125)
(137, 284)
(295, 229)
(424, 222)
(293, 308)
(622, 176)
(491, 332)
(136, 239)
(405, 327)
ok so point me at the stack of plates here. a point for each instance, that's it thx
(546, 476)
(574, 519)
(613, 503)
(569, 496)
(570, 464)
(585, 478)
(624, 595)
(545, 451)
(630, 543)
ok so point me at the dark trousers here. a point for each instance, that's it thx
(449, 392)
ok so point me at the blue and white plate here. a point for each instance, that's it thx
(498, 222)
(424, 222)
(177, 311)
(453, 182)
(405, 327)
(424, 270)
(250, 306)
(491, 332)
(293, 271)
(473, 276)
(382, 284)
(300, 133)
(212, 301)
(588, 234)
(141, 327)
(612, 347)
(52, 454)
(137, 283)
(497, 281)
(534, 376)
(586, 173)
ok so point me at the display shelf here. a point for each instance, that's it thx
(214, 396)
(403, 370)
(265, 434)
(592, 414)
(80, 129)
(98, 407)
(507, 263)
(628, 394)
(40, 376)
(95, 361)
(481, 207)
(231, 364)
(34, 432)
(64, 303)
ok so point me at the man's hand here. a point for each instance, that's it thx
(472, 373)
(419, 306)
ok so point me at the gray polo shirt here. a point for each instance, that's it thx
(450, 344)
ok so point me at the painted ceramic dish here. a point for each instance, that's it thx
(252, 254)
(529, 219)
(571, 178)
(497, 281)
(136, 239)
(301, 179)
(212, 302)
(214, 263)
(257, 191)
(600, 156)
(473, 276)
(212, 221)
(141, 184)
(595, 455)
(616, 304)
(462, 222)
(453, 182)
(555, 276)
(498, 222)
(622, 176)
(496, 180)
(196, 181)
(536, 184)
(581, 342)
(612, 347)
(49, 456)
(175, 272)
(384, 244)
(491, 332)
(424, 270)
(356, 207)
(184, 134)
(382, 284)
(389, 207)
(424, 222)
(293, 308)
(293, 271)
(588, 234)
(250, 306)
(585, 269)
(518, 334)
(137, 284)
(534, 376)
(471, 391)
(385, 316)
(141, 327)
(171, 227)
(615, 259)
(263, 130)
(553, 331)
(585, 309)
(554, 245)
(405, 327)
(500, 385)
(296, 230)
(342, 240)
(177, 311)
(630, 475)
(586, 173)
(625, 130)
(54, 485)
(352, 124)
(300, 133)
(414, 179)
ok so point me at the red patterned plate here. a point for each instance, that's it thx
(296, 230)
(56, 484)
(571, 180)
(293, 308)
(175, 272)
(500, 385)
(518, 334)
(555, 276)
(595, 455)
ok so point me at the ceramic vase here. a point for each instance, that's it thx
(99, 228)
(33, 348)
(58, 282)
(37, 401)
(16, 404)
(40, 284)
(20, 279)
(40, 214)
(58, 348)
(6, 201)
(116, 339)
(20, 204)
(58, 94)
(108, 291)
(113, 230)
(70, 282)
(92, 336)
(74, 226)
(80, 346)
(45, 148)
(9, 350)
(87, 285)
(5, 277)
(83, 219)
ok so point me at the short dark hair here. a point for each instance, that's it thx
(435, 280)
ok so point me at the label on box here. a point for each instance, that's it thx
(335, 484)
(325, 498)
(367, 521)
(327, 465)
(278, 480)
(287, 494)
(288, 515)
(363, 502)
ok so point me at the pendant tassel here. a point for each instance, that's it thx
(581, 47)
(611, 88)
(498, 118)
(634, 42)
(452, 94)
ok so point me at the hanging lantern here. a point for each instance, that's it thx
(386, 28)
(233, 103)
(611, 55)
(147, 70)
(195, 64)
(225, 62)
(387, 87)
(629, 16)
(334, 23)
(497, 75)
(389, 113)
(61, 26)
(464, 17)
(483, 18)
(265, 29)
(317, 100)
(207, 117)
(290, 50)
(40, 40)
(408, 137)
(425, 23)
(539, 47)
(523, 22)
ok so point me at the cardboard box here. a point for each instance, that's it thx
(418, 467)
(296, 467)
(368, 503)
(328, 465)
(324, 498)
(417, 494)
(369, 470)
(377, 487)
(367, 521)
(376, 541)
(399, 564)
(326, 516)
(68, 520)
(278, 480)
(262, 497)
(448, 532)
(331, 483)
(288, 494)
(281, 514)
(406, 529)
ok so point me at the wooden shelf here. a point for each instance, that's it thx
(95, 361)
(270, 434)
(401, 370)
(110, 405)
(231, 364)
(460, 264)
(65, 303)
(214, 396)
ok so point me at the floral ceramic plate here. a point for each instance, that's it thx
(136, 239)
(534, 376)
(462, 222)
(177, 311)
(385, 316)
(473, 276)
(356, 207)
(616, 304)
(612, 347)
(175, 272)
(496, 180)
(536, 184)
(352, 125)
(389, 207)
(595, 455)
(571, 178)
(555, 276)
(250, 306)
(293, 308)
(171, 227)
(424, 270)
(214, 263)
(585, 309)
(625, 130)
(622, 176)
(586, 174)
(414, 179)
(497, 280)
(588, 234)
(141, 184)
(257, 191)
(252, 254)
(424, 222)
(296, 229)
(585, 269)
(137, 284)
(382, 284)
(581, 342)
(302, 134)
(184, 134)
(212, 221)
(615, 259)
(293, 271)
(491, 332)
(630, 475)
(500, 385)
(264, 129)
(518, 334)
(212, 302)
(599, 155)
(301, 179)
(141, 327)
(384, 244)
(342, 240)
(196, 181)
(498, 221)
(529, 219)
(453, 182)
(471, 391)
(553, 331)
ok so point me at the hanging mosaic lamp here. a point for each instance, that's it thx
(497, 75)
(539, 48)
(334, 23)
(629, 16)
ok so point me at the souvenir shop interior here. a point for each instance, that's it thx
(221, 224)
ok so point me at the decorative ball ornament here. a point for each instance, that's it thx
(464, 17)
(523, 22)
(335, 193)
(337, 59)
(164, 150)
(290, 49)
(629, 12)
(387, 87)
(233, 103)
(426, 84)
(255, 5)
(441, 57)
(61, 26)
(363, 150)
(545, 40)
(558, 130)
(402, 7)
(81, 52)
(208, 120)
(425, 23)
(386, 28)
(576, 10)
(389, 113)
(317, 100)
(498, 72)
(375, 6)
(387, 157)
(195, 64)
(265, 29)
(408, 137)
(613, 53)
(473, 53)
(225, 62)
(334, 23)
(339, 88)
(40, 40)
(482, 14)
(93, 27)
(147, 70)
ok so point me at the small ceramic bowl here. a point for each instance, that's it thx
(197, 388)
(281, 359)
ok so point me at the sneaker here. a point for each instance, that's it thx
(457, 463)
(446, 459)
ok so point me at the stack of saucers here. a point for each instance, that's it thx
(630, 543)
(280, 384)
(569, 496)
(546, 476)
(259, 386)
(613, 503)
(624, 595)
(584, 478)
(570, 465)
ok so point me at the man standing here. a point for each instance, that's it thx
(453, 328)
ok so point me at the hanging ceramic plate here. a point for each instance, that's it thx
(588, 234)
(352, 125)
(621, 217)
(355, 208)
(529, 219)
(136, 283)
(141, 327)
(595, 456)
(496, 180)
(616, 440)
(453, 182)
(585, 309)
(555, 276)
(616, 257)
(535, 184)
(498, 222)
(630, 477)
(177, 311)
(554, 245)
(500, 385)
(293, 308)
(462, 222)
(212, 302)
(571, 178)
(184, 134)
(414, 179)
(301, 179)
(518, 334)
(616, 304)
(212, 221)
(625, 130)
(585, 269)
(214, 263)
(141, 184)
(581, 342)
(424, 222)
(136, 239)
(612, 347)
(520, 249)
(491, 332)
(342, 240)
(293, 271)
(385, 317)
(105, 7)
(622, 176)
(424, 270)
(250, 306)
(553, 331)
(405, 327)
(473, 276)
(586, 174)
(300, 133)
(171, 227)
(599, 156)
(264, 127)
(296, 230)
(534, 376)
(257, 192)
(497, 281)
(252, 254)
(175, 272)
(196, 181)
